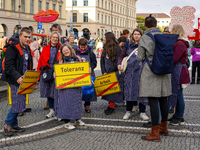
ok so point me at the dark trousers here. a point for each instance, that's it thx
(130, 104)
(164, 108)
(87, 103)
(196, 65)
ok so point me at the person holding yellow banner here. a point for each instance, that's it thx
(109, 58)
(68, 102)
(18, 59)
(87, 54)
(48, 57)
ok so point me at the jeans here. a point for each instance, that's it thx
(180, 107)
(51, 102)
(12, 118)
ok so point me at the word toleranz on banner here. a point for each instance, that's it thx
(106, 84)
(72, 75)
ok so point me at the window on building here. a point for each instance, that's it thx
(162, 21)
(118, 9)
(158, 21)
(13, 5)
(112, 7)
(22, 5)
(54, 6)
(85, 2)
(120, 22)
(111, 20)
(74, 2)
(74, 17)
(102, 3)
(98, 17)
(105, 4)
(109, 6)
(123, 11)
(47, 5)
(105, 19)
(115, 21)
(39, 5)
(167, 21)
(101, 18)
(115, 8)
(31, 6)
(85, 17)
(108, 19)
(2, 4)
(98, 3)
(60, 11)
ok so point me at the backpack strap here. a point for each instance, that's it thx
(55, 58)
(79, 58)
(91, 53)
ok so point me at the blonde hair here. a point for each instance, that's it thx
(178, 29)
(55, 32)
(72, 54)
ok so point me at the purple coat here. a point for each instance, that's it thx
(195, 54)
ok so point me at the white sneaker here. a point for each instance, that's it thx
(80, 122)
(50, 114)
(134, 108)
(127, 115)
(143, 116)
(69, 126)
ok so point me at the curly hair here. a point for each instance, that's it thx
(110, 46)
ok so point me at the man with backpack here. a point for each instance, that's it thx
(156, 87)
(18, 59)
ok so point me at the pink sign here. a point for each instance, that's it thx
(184, 17)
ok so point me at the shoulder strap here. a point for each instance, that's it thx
(132, 53)
(55, 58)
(79, 58)
(91, 52)
(151, 36)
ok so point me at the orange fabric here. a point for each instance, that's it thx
(32, 53)
(3, 64)
(45, 56)
(112, 104)
(18, 46)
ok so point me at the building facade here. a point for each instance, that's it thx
(9, 15)
(163, 19)
(93, 18)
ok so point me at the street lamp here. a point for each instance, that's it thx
(19, 26)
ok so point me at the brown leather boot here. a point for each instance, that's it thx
(154, 135)
(47, 106)
(163, 128)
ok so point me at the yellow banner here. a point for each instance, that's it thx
(29, 81)
(106, 84)
(71, 68)
(31, 76)
(70, 75)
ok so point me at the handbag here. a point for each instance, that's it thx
(47, 72)
(125, 61)
(88, 91)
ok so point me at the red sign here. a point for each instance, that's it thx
(184, 17)
(199, 23)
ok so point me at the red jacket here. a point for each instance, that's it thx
(45, 56)
(181, 55)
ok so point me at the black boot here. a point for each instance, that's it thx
(193, 81)
(198, 80)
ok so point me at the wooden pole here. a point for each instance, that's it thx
(47, 32)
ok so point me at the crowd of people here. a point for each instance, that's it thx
(139, 85)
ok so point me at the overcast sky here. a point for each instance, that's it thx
(159, 6)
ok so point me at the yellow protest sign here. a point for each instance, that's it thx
(106, 84)
(29, 81)
(70, 75)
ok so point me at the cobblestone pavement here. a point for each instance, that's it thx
(101, 132)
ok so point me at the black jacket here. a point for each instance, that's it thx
(14, 62)
(113, 68)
